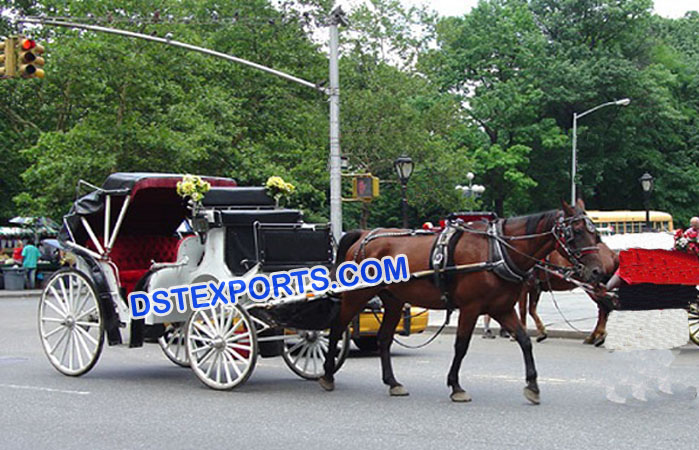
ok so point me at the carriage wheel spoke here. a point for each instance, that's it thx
(52, 319)
(238, 337)
(205, 340)
(200, 349)
(230, 357)
(219, 358)
(66, 298)
(87, 335)
(77, 349)
(83, 343)
(204, 330)
(315, 359)
(78, 311)
(246, 348)
(211, 364)
(208, 321)
(86, 313)
(55, 308)
(52, 332)
(226, 369)
(61, 301)
(206, 356)
(295, 347)
(234, 329)
(238, 356)
(52, 351)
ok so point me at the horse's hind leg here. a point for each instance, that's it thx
(467, 321)
(352, 303)
(392, 314)
(510, 323)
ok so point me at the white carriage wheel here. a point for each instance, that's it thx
(70, 322)
(173, 344)
(221, 345)
(694, 322)
(305, 350)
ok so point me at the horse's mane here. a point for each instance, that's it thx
(533, 220)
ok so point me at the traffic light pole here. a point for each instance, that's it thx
(337, 17)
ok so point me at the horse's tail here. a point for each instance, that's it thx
(345, 243)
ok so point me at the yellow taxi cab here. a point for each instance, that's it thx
(365, 326)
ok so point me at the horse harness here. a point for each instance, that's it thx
(442, 264)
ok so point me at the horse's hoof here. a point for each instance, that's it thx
(460, 397)
(532, 396)
(542, 337)
(398, 391)
(600, 340)
(326, 384)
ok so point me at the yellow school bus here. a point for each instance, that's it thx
(623, 221)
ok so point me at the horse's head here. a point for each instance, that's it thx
(577, 241)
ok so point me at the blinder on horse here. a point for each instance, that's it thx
(565, 234)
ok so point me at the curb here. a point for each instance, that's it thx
(20, 294)
(560, 334)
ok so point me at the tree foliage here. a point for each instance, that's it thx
(491, 92)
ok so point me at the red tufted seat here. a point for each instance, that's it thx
(133, 256)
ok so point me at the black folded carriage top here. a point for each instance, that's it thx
(238, 197)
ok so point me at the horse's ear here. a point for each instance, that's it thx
(580, 204)
(567, 209)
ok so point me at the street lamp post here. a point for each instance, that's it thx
(404, 168)
(472, 190)
(647, 182)
(576, 116)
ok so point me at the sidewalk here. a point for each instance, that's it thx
(26, 293)
(575, 306)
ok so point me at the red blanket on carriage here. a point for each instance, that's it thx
(639, 265)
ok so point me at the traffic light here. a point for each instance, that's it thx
(8, 59)
(29, 61)
(365, 187)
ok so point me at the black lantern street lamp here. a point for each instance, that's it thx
(404, 168)
(647, 185)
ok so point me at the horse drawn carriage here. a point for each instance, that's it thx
(135, 233)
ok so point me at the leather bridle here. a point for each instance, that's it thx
(564, 234)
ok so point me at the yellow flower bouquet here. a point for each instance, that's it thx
(194, 188)
(277, 188)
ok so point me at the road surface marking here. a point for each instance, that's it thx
(43, 389)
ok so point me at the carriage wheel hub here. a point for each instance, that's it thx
(218, 342)
(312, 336)
(69, 322)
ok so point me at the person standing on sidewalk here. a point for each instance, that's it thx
(17, 253)
(30, 258)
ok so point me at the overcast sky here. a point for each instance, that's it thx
(665, 8)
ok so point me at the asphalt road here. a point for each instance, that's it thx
(136, 398)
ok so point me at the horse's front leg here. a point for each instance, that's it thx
(511, 324)
(467, 321)
(599, 334)
(393, 309)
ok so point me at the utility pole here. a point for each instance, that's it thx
(337, 18)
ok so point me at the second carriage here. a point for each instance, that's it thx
(135, 233)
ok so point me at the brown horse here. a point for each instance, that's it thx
(527, 239)
(544, 281)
